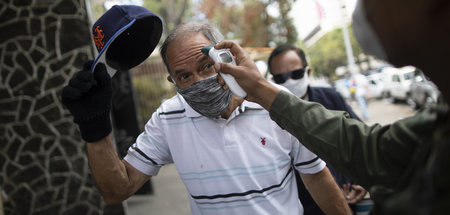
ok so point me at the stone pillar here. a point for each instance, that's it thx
(43, 163)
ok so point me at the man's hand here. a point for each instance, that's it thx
(326, 192)
(353, 193)
(88, 97)
(247, 75)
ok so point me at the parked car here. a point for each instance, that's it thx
(376, 85)
(397, 82)
(423, 91)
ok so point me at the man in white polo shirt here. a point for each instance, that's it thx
(231, 156)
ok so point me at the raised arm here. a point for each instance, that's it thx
(88, 97)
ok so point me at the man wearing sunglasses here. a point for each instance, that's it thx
(289, 68)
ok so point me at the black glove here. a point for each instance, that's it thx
(88, 97)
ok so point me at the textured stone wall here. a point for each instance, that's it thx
(43, 163)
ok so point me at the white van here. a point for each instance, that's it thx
(397, 82)
(376, 85)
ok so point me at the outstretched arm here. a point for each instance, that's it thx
(377, 155)
(88, 97)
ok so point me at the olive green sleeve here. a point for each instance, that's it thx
(368, 154)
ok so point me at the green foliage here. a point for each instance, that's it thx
(174, 12)
(151, 91)
(153, 5)
(329, 53)
(97, 9)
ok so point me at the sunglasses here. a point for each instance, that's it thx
(294, 74)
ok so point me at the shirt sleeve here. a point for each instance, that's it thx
(367, 154)
(304, 160)
(151, 150)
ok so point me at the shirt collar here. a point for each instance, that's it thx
(246, 105)
(189, 111)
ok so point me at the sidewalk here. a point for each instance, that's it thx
(383, 112)
(170, 196)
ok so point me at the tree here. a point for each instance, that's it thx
(250, 22)
(329, 53)
(284, 30)
(254, 27)
(224, 15)
(174, 12)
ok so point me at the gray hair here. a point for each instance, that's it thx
(208, 30)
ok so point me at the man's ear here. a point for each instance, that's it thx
(309, 71)
(170, 79)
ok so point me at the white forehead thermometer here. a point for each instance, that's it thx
(224, 55)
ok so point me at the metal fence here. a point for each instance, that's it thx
(152, 87)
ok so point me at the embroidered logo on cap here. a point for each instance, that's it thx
(98, 38)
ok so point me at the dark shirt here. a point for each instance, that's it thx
(331, 100)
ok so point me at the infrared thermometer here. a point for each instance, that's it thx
(224, 55)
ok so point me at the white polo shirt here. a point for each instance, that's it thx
(243, 165)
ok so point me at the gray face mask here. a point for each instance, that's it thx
(207, 97)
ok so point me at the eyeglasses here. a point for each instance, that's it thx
(294, 74)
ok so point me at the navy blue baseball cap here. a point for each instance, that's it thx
(125, 36)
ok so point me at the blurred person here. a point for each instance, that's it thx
(232, 158)
(350, 87)
(289, 68)
(404, 165)
(360, 86)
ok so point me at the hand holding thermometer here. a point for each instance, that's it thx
(224, 55)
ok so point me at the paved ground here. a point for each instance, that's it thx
(170, 197)
(384, 112)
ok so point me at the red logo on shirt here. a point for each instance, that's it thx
(263, 141)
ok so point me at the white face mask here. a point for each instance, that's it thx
(297, 87)
(365, 34)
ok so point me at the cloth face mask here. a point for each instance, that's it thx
(297, 87)
(207, 97)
